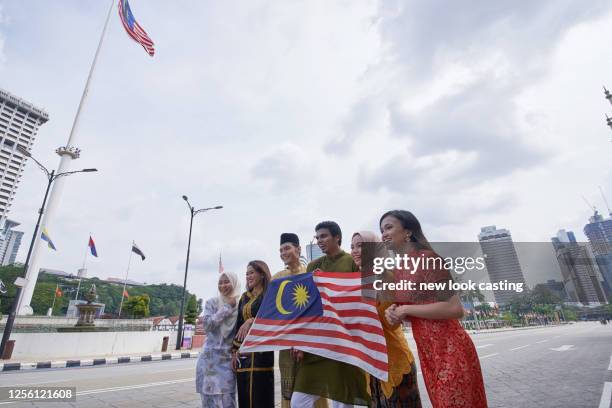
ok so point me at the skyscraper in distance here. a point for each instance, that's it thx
(10, 240)
(599, 233)
(501, 260)
(19, 124)
(578, 269)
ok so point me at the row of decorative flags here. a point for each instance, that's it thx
(44, 235)
(323, 313)
(92, 248)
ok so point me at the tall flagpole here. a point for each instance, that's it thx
(54, 297)
(125, 280)
(67, 153)
(83, 268)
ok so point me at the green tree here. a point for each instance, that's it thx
(543, 296)
(138, 306)
(164, 299)
(485, 309)
(191, 311)
(8, 274)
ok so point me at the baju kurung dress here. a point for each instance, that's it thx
(401, 389)
(448, 358)
(255, 373)
(215, 380)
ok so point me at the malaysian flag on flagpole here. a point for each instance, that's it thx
(134, 29)
(322, 313)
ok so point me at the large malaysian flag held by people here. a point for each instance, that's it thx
(134, 29)
(322, 313)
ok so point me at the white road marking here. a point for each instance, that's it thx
(610, 366)
(606, 395)
(541, 341)
(484, 346)
(518, 348)
(564, 347)
(132, 387)
(489, 355)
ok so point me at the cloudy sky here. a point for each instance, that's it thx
(289, 113)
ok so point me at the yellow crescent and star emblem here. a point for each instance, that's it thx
(300, 297)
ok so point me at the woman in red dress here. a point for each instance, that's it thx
(447, 355)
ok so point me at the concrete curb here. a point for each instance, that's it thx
(96, 361)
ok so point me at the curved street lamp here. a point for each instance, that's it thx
(192, 212)
(51, 177)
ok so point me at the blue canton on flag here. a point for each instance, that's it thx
(290, 298)
(133, 29)
(323, 313)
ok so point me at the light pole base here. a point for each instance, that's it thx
(25, 310)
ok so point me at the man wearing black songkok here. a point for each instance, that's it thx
(290, 254)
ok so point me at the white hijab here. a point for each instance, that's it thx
(228, 324)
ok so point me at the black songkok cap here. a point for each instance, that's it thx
(289, 237)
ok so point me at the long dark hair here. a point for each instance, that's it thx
(410, 223)
(262, 268)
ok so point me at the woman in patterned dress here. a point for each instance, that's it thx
(448, 358)
(215, 380)
(401, 390)
(254, 371)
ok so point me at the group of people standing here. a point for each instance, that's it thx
(448, 360)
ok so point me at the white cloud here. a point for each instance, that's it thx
(291, 113)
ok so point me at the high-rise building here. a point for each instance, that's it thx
(578, 269)
(10, 240)
(501, 260)
(19, 123)
(599, 233)
(313, 252)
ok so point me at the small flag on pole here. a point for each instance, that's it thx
(44, 235)
(137, 250)
(133, 29)
(125, 293)
(221, 268)
(58, 292)
(92, 247)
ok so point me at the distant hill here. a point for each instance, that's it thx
(165, 299)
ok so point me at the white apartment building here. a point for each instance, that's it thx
(19, 123)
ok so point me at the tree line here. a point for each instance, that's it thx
(143, 301)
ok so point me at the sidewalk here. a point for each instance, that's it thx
(15, 365)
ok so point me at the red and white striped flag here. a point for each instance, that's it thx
(322, 313)
(133, 29)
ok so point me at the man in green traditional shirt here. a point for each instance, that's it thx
(318, 376)
(290, 255)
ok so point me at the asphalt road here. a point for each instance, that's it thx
(559, 366)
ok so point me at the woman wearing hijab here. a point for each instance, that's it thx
(254, 371)
(448, 358)
(401, 389)
(215, 380)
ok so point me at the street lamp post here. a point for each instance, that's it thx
(51, 177)
(192, 212)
